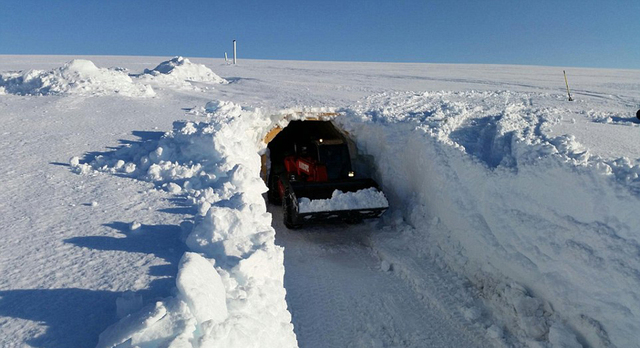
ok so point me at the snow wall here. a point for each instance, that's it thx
(546, 231)
(230, 290)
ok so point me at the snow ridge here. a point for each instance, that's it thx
(230, 287)
(77, 77)
(547, 231)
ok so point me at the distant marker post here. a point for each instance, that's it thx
(234, 52)
(566, 82)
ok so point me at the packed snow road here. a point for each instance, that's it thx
(341, 294)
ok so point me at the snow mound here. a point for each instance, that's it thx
(370, 198)
(179, 71)
(77, 77)
(546, 231)
(230, 287)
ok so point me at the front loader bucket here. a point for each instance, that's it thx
(348, 200)
(324, 190)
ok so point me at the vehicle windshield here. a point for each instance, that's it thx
(336, 158)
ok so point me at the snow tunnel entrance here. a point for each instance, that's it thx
(312, 138)
(277, 143)
(312, 170)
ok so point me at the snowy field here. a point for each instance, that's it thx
(133, 209)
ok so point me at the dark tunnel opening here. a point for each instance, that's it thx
(311, 163)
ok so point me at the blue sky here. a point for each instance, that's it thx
(567, 33)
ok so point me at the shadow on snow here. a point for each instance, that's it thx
(75, 317)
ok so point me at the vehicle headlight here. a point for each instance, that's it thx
(352, 174)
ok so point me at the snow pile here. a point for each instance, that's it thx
(547, 231)
(77, 77)
(230, 290)
(179, 72)
(370, 198)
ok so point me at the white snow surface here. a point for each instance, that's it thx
(83, 77)
(513, 212)
(78, 76)
(370, 198)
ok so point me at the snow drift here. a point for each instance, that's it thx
(180, 72)
(230, 289)
(546, 230)
(77, 77)
(82, 77)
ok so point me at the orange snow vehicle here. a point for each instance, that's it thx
(311, 163)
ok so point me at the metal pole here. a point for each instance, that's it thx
(234, 52)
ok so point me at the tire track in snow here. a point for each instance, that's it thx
(441, 291)
(339, 297)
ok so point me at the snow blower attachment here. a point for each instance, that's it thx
(311, 176)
